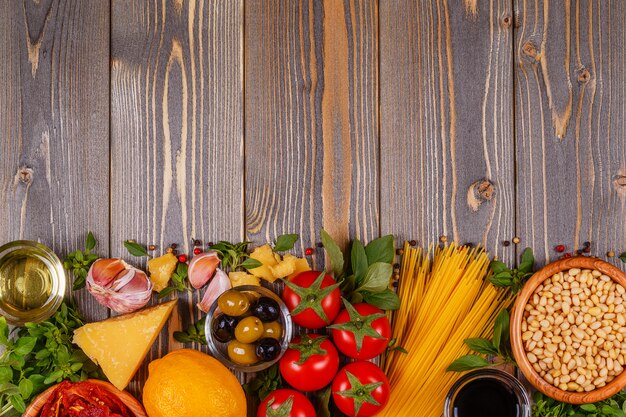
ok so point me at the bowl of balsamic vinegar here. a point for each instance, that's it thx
(487, 393)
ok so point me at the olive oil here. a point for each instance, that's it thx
(25, 283)
(32, 282)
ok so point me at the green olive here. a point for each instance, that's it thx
(242, 353)
(272, 329)
(233, 303)
(249, 330)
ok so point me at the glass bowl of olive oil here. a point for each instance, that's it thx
(32, 282)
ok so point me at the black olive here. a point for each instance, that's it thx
(266, 309)
(224, 327)
(267, 349)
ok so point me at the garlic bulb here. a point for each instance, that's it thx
(218, 285)
(201, 268)
(118, 286)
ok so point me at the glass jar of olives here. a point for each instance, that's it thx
(248, 328)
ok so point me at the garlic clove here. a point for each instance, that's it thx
(218, 285)
(201, 268)
(104, 271)
(123, 291)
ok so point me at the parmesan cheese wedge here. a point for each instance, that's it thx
(120, 344)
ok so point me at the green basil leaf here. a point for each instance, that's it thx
(380, 250)
(25, 345)
(623, 257)
(251, 263)
(91, 242)
(359, 262)
(528, 260)
(377, 277)
(79, 256)
(587, 407)
(4, 331)
(323, 398)
(181, 269)
(480, 345)
(6, 374)
(136, 249)
(347, 284)
(385, 300)
(356, 298)
(26, 388)
(9, 389)
(498, 266)
(333, 252)
(467, 363)
(165, 292)
(501, 329)
(18, 403)
(285, 242)
(500, 282)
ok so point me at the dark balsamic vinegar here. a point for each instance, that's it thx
(486, 398)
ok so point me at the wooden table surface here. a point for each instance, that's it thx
(163, 121)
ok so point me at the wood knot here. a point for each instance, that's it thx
(584, 76)
(506, 21)
(619, 182)
(530, 50)
(24, 175)
(479, 192)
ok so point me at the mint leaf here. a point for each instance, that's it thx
(467, 363)
(333, 252)
(380, 250)
(285, 242)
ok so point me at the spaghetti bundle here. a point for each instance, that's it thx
(443, 302)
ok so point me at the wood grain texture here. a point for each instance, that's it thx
(54, 125)
(311, 119)
(447, 163)
(570, 97)
(177, 132)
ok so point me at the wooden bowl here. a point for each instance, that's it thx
(614, 386)
(135, 406)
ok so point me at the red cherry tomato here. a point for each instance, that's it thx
(346, 340)
(290, 402)
(307, 294)
(350, 392)
(320, 362)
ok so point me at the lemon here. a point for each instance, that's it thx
(189, 383)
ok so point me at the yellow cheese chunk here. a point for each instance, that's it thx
(120, 344)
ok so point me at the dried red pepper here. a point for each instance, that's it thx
(83, 399)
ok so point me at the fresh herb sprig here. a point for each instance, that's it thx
(194, 333)
(136, 249)
(264, 383)
(368, 272)
(285, 242)
(514, 278)
(614, 406)
(38, 355)
(234, 255)
(178, 281)
(499, 346)
(623, 257)
(79, 262)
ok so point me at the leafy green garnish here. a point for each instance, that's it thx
(136, 249)
(285, 242)
(334, 253)
(623, 257)
(234, 255)
(264, 383)
(79, 262)
(544, 406)
(178, 281)
(514, 278)
(39, 355)
(499, 346)
(194, 333)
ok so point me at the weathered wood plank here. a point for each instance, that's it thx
(177, 132)
(54, 125)
(447, 157)
(570, 96)
(311, 119)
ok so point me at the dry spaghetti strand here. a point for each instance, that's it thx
(444, 300)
